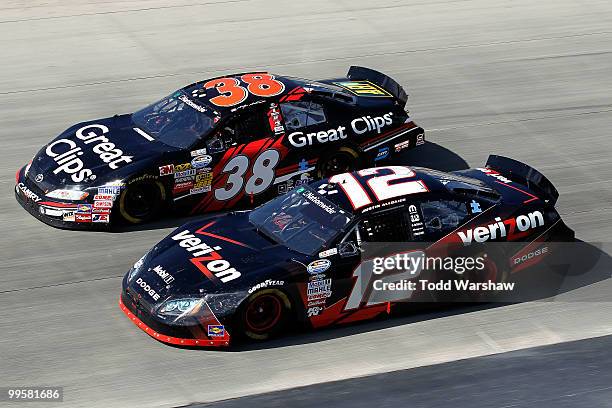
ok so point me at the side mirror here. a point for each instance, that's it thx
(347, 249)
(215, 145)
(435, 223)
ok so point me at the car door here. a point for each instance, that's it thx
(376, 236)
(245, 156)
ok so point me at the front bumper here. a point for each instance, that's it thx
(55, 212)
(188, 336)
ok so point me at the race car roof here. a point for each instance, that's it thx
(293, 88)
(426, 182)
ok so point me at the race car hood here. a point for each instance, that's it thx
(225, 254)
(90, 153)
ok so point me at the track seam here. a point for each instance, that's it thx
(349, 57)
(60, 284)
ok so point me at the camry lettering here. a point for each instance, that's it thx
(502, 229)
(28, 193)
(206, 258)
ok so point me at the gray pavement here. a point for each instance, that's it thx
(530, 80)
(572, 375)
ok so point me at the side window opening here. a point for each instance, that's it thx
(301, 114)
(443, 216)
(244, 128)
(388, 227)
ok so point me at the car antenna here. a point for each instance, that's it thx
(303, 264)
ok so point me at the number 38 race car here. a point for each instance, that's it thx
(215, 145)
(301, 257)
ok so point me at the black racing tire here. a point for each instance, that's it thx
(142, 201)
(343, 160)
(495, 270)
(264, 315)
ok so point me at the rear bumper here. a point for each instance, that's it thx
(388, 145)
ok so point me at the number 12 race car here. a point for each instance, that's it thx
(299, 257)
(215, 145)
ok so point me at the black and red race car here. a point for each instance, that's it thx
(303, 257)
(214, 145)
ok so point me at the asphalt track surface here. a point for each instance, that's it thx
(518, 379)
(529, 80)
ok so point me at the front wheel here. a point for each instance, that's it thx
(141, 201)
(264, 314)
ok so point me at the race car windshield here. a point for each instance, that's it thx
(301, 220)
(176, 120)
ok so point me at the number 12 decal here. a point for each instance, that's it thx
(366, 292)
(237, 167)
(384, 187)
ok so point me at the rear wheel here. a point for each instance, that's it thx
(141, 201)
(264, 314)
(495, 271)
(343, 160)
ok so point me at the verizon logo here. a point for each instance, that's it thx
(501, 229)
(206, 258)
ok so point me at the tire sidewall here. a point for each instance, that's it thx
(286, 309)
(161, 196)
(493, 259)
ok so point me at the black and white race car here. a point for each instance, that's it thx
(218, 144)
(301, 257)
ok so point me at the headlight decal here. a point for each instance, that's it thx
(72, 195)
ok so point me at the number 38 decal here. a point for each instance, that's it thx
(232, 93)
(236, 169)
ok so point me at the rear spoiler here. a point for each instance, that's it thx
(524, 174)
(356, 73)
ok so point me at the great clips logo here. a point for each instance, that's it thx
(66, 152)
(207, 258)
(506, 229)
(364, 124)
